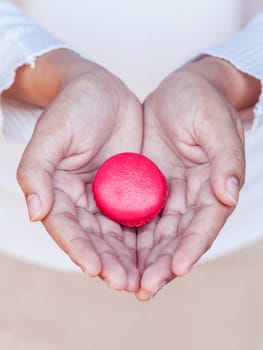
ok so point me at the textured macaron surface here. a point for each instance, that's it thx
(130, 189)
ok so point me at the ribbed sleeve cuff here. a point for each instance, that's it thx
(21, 42)
(245, 52)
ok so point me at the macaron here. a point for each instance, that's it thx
(130, 189)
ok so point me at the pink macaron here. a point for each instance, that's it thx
(130, 189)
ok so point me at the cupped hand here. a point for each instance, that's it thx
(195, 136)
(93, 116)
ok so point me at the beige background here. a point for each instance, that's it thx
(217, 306)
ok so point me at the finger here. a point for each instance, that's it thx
(62, 224)
(156, 276)
(38, 164)
(133, 275)
(174, 208)
(195, 177)
(116, 236)
(129, 239)
(113, 272)
(145, 242)
(158, 271)
(201, 232)
(74, 187)
(143, 295)
(90, 199)
(225, 151)
(186, 219)
(158, 266)
(88, 221)
(109, 247)
(246, 115)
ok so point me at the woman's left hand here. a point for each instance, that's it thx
(195, 136)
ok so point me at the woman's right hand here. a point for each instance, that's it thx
(92, 116)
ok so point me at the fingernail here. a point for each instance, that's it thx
(34, 206)
(108, 283)
(110, 286)
(232, 189)
(142, 295)
(161, 285)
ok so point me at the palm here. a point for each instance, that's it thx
(192, 216)
(88, 135)
(96, 243)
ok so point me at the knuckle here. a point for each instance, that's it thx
(209, 244)
(239, 162)
(23, 173)
(149, 102)
(239, 156)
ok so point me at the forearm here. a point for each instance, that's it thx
(236, 66)
(40, 85)
(24, 45)
(241, 89)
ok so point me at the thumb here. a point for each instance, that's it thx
(37, 166)
(225, 150)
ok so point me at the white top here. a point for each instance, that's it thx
(141, 41)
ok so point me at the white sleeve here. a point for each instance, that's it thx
(21, 42)
(245, 51)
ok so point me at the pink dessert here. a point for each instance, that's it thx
(130, 189)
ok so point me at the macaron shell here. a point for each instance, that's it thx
(130, 189)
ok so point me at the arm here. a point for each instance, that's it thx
(242, 59)
(241, 89)
(21, 42)
(193, 131)
(88, 115)
(34, 63)
(41, 84)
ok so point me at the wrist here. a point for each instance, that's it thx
(41, 84)
(241, 89)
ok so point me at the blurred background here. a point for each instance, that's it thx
(217, 306)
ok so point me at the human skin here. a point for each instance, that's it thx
(193, 131)
(185, 120)
(89, 115)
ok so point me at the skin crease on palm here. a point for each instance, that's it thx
(176, 128)
(70, 155)
(193, 215)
